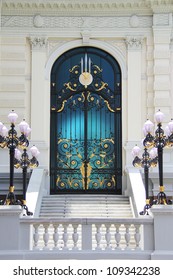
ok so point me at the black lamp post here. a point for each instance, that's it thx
(22, 161)
(12, 141)
(149, 159)
(159, 141)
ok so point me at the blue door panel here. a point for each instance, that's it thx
(86, 125)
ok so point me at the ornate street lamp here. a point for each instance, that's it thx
(12, 141)
(149, 159)
(159, 141)
(22, 161)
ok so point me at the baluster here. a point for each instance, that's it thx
(137, 236)
(127, 236)
(117, 237)
(46, 236)
(55, 236)
(108, 237)
(36, 236)
(98, 237)
(75, 237)
(65, 237)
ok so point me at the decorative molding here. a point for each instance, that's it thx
(161, 19)
(38, 21)
(134, 21)
(54, 44)
(83, 7)
(134, 43)
(161, 6)
(86, 36)
(38, 42)
(119, 44)
(86, 23)
(76, 6)
(113, 50)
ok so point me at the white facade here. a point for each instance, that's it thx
(137, 33)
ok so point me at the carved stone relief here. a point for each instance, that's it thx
(134, 43)
(54, 44)
(38, 42)
(38, 21)
(134, 21)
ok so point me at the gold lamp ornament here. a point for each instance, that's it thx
(86, 77)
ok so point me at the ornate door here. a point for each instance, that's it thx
(85, 123)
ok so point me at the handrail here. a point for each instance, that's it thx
(86, 221)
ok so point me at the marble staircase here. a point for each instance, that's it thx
(85, 206)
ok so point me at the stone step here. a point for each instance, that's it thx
(86, 197)
(83, 206)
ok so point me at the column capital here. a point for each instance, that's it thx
(38, 43)
(134, 43)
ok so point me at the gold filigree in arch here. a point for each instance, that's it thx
(98, 85)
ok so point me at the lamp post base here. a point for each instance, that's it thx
(25, 207)
(161, 198)
(11, 198)
(146, 208)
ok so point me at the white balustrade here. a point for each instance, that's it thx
(104, 234)
(65, 237)
(46, 236)
(36, 235)
(117, 236)
(108, 237)
(75, 237)
(137, 236)
(127, 236)
(55, 236)
(79, 237)
(98, 236)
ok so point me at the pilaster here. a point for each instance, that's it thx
(162, 82)
(38, 90)
(134, 46)
(171, 71)
(150, 79)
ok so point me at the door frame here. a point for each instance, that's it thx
(53, 131)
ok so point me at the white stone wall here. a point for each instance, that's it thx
(137, 33)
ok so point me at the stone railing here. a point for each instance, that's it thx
(147, 237)
(88, 234)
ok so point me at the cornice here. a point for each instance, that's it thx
(161, 6)
(75, 7)
(85, 8)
